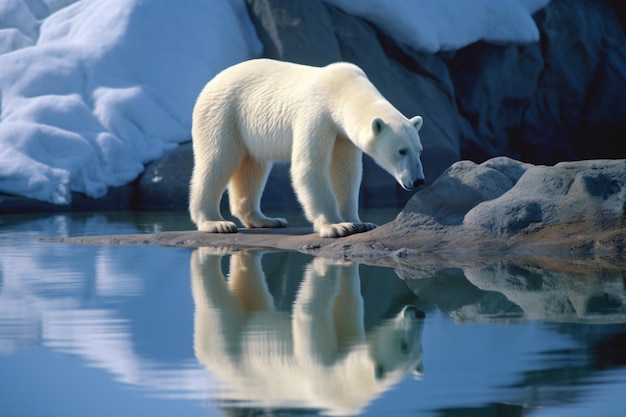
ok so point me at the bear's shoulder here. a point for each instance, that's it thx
(345, 68)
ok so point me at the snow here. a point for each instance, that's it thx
(443, 25)
(92, 90)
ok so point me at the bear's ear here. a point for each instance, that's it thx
(417, 122)
(378, 125)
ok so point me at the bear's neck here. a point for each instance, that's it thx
(355, 119)
(355, 103)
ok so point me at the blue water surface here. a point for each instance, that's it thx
(154, 331)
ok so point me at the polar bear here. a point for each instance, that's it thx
(320, 118)
(319, 356)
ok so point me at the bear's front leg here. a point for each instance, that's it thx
(346, 171)
(316, 190)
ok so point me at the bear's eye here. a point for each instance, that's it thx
(403, 151)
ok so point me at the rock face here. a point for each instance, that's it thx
(590, 192)
(503, 197)
(576, 208)
(560, 99)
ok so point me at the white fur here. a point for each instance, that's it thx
(318, 357)
(321, 119)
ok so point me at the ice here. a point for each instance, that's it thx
(441, 25)
(91, 90)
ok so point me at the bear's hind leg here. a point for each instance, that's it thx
(208, 183)
(245, 191)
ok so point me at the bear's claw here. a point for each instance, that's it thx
(345, 229)
(222, 226)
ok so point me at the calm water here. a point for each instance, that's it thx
(150, 331)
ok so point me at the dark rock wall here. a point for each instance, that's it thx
(563, 98)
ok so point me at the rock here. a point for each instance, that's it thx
(165, 182)
(589, 192)
(463, 187)
(572, 208)
(301, 32)
(563, 98)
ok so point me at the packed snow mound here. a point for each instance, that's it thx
(443, 25)
(91, 90)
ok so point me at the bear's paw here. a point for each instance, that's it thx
(344, 229)
(262, 222)
(221, 226)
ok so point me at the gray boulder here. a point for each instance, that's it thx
(503, 205)
(589, 192)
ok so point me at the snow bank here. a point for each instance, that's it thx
(90, 90)
(436, 25)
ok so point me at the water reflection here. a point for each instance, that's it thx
(504, 289)
(317, 356)
(283, 333)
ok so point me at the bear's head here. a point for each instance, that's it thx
(396, 346)
(395, 145)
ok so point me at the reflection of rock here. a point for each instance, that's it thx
(318, 356)
(518, 289)
(589, 296)
(453, 294)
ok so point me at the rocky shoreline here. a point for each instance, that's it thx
(573, 212)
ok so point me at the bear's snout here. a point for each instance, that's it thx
(418, 182)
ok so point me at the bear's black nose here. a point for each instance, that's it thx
(418, 182)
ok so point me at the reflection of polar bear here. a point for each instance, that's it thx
(319, 357)
(321, 119)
